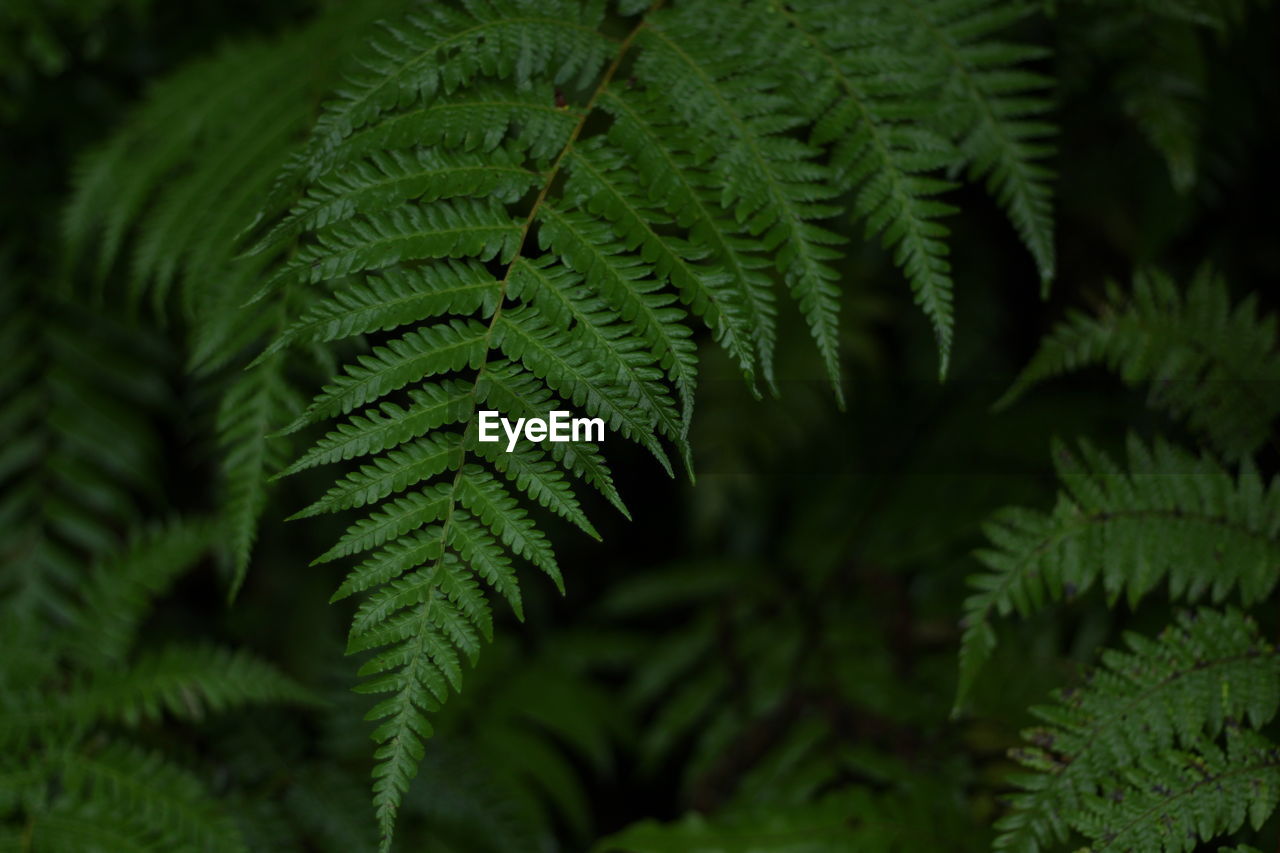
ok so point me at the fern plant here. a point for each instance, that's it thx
(1164, 746)
(518, 205)
(74, 690)
(1202, 358)
(1110, 757)
(1171, 517)
(650, 213)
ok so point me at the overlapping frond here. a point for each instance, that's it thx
(715, 67)
(1169, 802)
(80, 457)
(519, 212)
(120, 588)
(1160, 57)
(1214, 364)
(872, 104)
(1209, 672)
(157, 804)
(186, 682)
(993, 107)
(171, 191)
(1169, 517)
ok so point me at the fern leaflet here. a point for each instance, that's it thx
(1209, 671)
(1204, 360)
(1171, 517)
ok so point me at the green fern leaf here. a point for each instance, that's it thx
(394, 298)
(1207, 672)
(1171, 517)
(587, 246)
(509, 388)
(1204, 360)
(870, 112)
(432, 405)
(993, 109)
(390, 178)
(427, 351)
(601, 181)
(159, 801)
(440, 48)
(119, 590)
(174, 187)
(771, 183)
(1169, 801)
(525, 214)
(80, 462)
(735, 295)
(248, 416)
(564, 363)
(185, 682)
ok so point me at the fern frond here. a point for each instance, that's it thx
(439, 49)
(1168, 802)
(601, 181)
(173, 188)
(479, 119)
(1162, 90)
(1206, 361)
(734, 294)
(1172, 516)
(432, 405)
(249, 413)
(587, 247)
(418, 664)
(455, 228)
(160, 802)
(993, 109)
(186, 682)
(871, 104)
(395, 298)
(412, 463)
(1209, 671)
(425, 352)
(119, 590)
(773, 184)
(562, 297)
(516, 227)
(390, 177)
(80, 463)
(508, 387)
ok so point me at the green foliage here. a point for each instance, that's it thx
(146, 192)
(1204, 360)
(1171, 516)
(1203, 792)
(81, 452)
(1164, 746)
(1158, 69)
(637, 211)
(462, 194)
(80, 470)
(81, 782)
(1208, 673)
